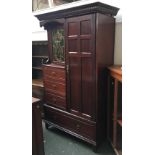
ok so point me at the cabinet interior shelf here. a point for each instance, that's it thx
(38, 68)
(37, 82)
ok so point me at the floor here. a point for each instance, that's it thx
(60, 143)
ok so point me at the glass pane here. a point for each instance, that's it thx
(58, 45)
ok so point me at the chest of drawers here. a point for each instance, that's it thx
(55, 88)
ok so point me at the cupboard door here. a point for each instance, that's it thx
(80, 60)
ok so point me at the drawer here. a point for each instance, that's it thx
(52, 99)
(50, 73)
(77, 126)
(56, 88)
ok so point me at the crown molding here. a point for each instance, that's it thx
(50, 15)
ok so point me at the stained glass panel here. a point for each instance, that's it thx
(58, 45)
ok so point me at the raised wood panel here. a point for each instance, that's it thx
(81, 67)
(87, 86)
(75, 83)
(72, 29)
(85, 27)
(85, 45)
(72, 45)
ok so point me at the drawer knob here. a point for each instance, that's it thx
(53, 73)
(77, 126)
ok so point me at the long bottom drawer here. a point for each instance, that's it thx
(70, 122)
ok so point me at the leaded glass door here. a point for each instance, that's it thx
(56, 38)
(58, 45)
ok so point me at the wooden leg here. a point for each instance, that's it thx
(47, 126)
(95, 148)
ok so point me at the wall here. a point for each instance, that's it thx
(38, 33)
(118, 43)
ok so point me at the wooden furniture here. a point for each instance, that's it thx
(37, 133)
(39, 54)
(81, 43)
(114, 127)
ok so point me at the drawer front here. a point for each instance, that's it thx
(57, 74)
(71, 123)
(52, 99)
(56, 88)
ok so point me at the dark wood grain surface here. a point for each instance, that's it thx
(114, 110)
(95, 7)
(37, 132)
(54, 85)
(76, 91)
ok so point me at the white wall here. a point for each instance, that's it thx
(38, 33)
(118, 43)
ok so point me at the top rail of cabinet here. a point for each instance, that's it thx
(76, 9)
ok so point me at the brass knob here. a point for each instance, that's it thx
(53, 73)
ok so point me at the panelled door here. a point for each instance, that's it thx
(80, 65)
